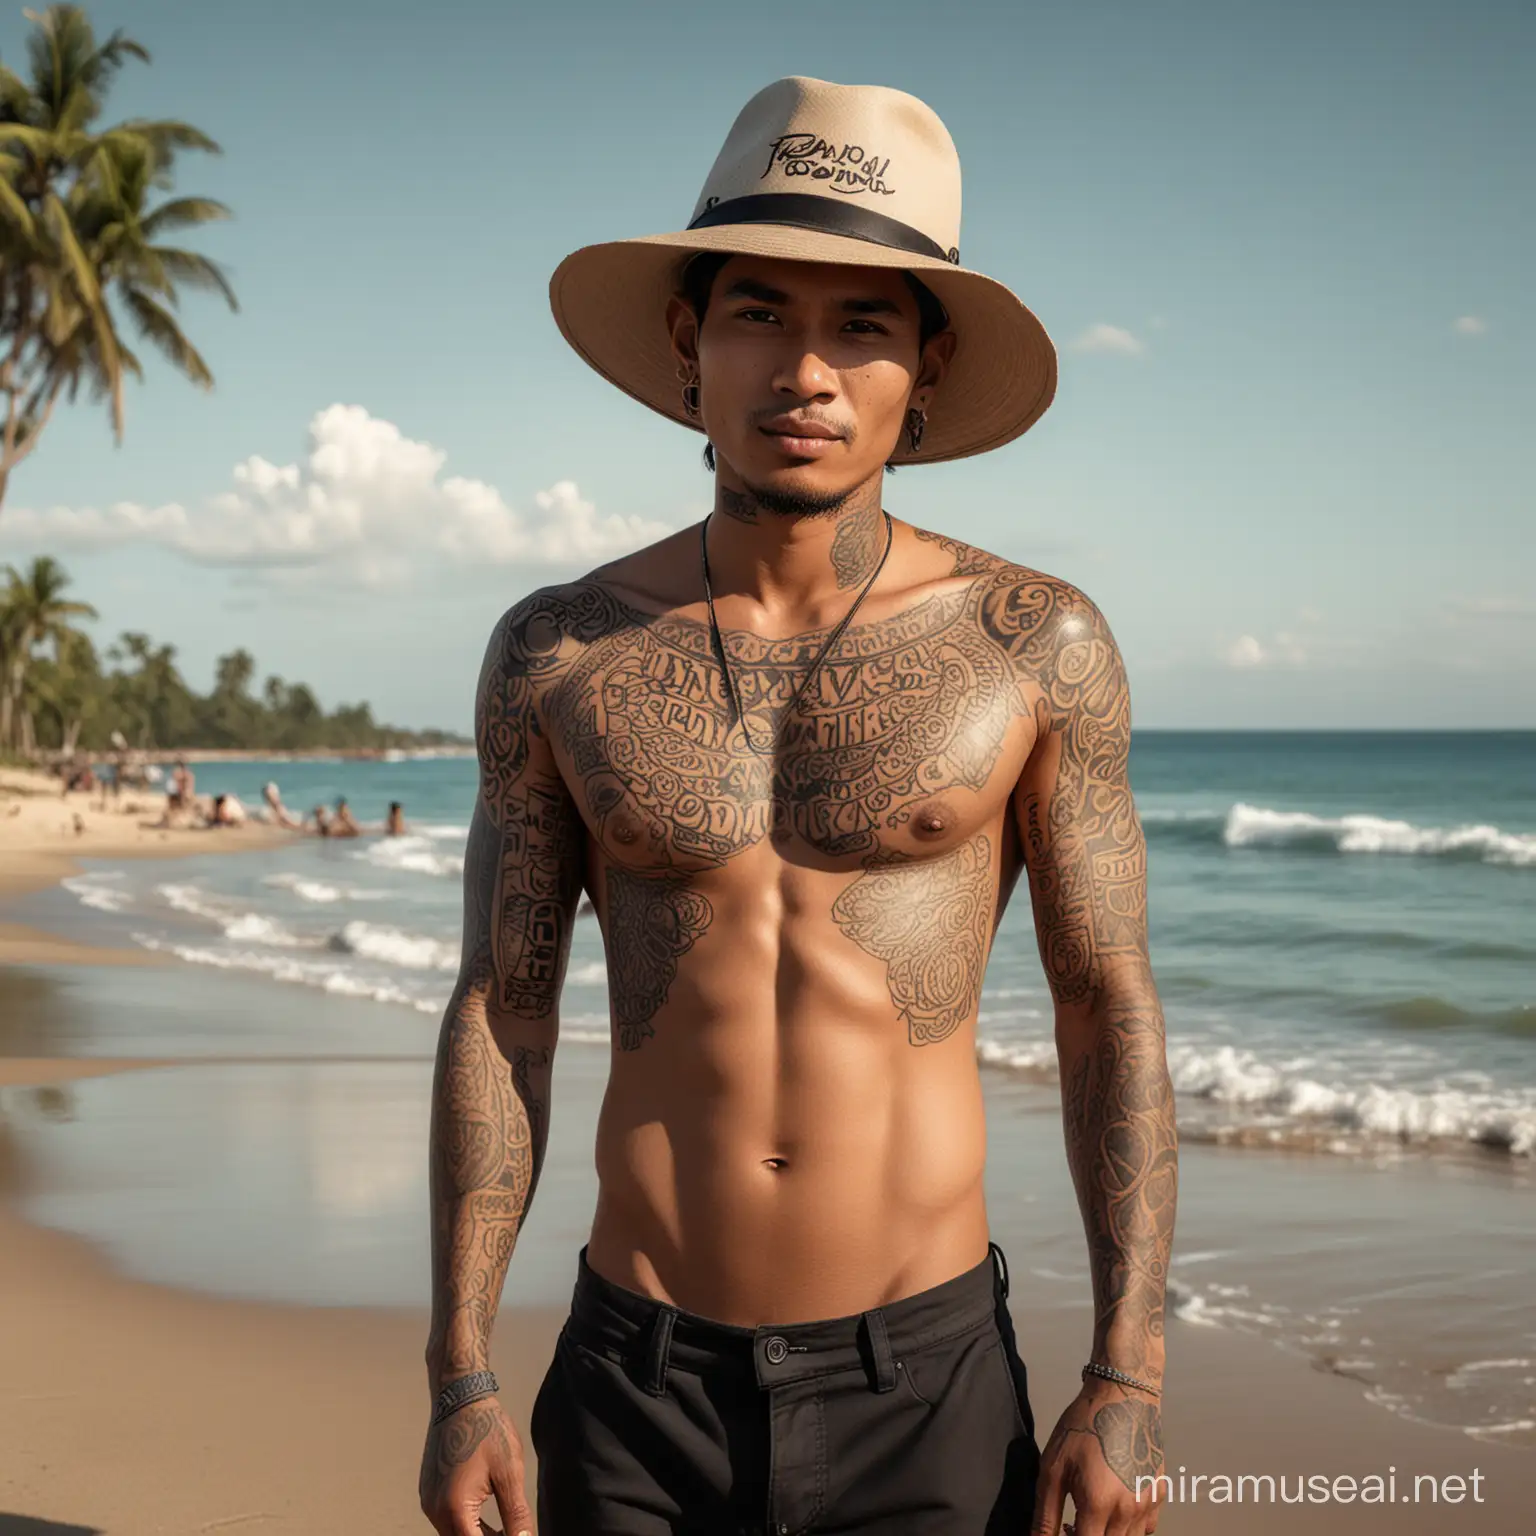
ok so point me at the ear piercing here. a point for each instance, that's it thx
(916, 421)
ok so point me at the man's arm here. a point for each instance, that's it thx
(1085, 854)
(490, 1101)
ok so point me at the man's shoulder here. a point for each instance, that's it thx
(1010, 593)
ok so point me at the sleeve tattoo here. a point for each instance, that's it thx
(1086, 858)
(490, 1098)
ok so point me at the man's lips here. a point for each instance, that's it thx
(801, 438)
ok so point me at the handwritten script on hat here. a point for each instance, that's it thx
(848, 168)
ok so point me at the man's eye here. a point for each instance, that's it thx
(757, 314)
(870, 328)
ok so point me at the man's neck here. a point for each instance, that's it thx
(794, 563)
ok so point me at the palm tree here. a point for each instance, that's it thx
(77, 230)
(33, 612)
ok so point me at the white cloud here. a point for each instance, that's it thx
(1245, 651)
(1101, 337)
(1285, 649)
(365, 503)
(1471, 325)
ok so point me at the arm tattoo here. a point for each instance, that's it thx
(490, 1101)
(1086, 857)
(652, 923)
(930, 920)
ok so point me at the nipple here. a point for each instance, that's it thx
(931, 820)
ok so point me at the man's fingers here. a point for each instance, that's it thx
(1050, 1501)
(516, 1516)
(1089, 1522)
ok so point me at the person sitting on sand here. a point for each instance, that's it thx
(227, 812)
(322, 819)
(342, 823)
(276, 811)
(394, 822)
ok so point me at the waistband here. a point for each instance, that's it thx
(653, 1335)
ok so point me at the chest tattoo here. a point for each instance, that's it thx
(930, 921)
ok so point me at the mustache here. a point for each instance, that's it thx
(844, 429)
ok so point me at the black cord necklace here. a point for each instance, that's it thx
(719, 643)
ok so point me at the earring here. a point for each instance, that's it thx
(690, 394)
(916, 421)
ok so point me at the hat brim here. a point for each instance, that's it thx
(610, 302)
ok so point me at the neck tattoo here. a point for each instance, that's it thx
(775, 730)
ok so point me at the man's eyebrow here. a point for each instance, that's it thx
(748, 288)
(871, 307)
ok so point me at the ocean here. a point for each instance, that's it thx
(1343, 931)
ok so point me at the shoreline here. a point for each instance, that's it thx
(44, 833)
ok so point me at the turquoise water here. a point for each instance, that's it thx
(1343, 927)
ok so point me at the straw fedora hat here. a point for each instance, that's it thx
(812, 171)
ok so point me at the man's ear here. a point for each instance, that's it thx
(938, 353)
(684, 329)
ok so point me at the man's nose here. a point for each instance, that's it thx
(805, 374)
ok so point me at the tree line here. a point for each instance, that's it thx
(59, 695)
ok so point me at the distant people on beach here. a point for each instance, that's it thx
(276, 811)
(322, 820)
(342, 824)
(227, 812)
(183, 784)
(394, 822)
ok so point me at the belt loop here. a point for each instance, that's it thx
(880, 1350)
(660, 1344)
(1000, 1264)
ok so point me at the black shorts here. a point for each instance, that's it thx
(912, 1419)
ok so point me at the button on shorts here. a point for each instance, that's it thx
(911, 1419)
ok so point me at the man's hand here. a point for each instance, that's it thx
(1108, 1437)
(471, 1456)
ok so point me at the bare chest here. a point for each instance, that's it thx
(904, 740)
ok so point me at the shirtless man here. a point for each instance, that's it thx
(799, 755)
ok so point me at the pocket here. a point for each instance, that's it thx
(1018, 1391)
(934, 1373)
(904, 1373)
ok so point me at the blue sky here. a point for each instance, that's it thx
(1283, 250)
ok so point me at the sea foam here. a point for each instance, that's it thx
(1250, 826)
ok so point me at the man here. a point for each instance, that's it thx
(799, 833)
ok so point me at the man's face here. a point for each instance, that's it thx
(806, 373)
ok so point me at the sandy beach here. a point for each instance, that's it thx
(246, 1163)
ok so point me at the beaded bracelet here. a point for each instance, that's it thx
(467, 1389)
(1109, 1373)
